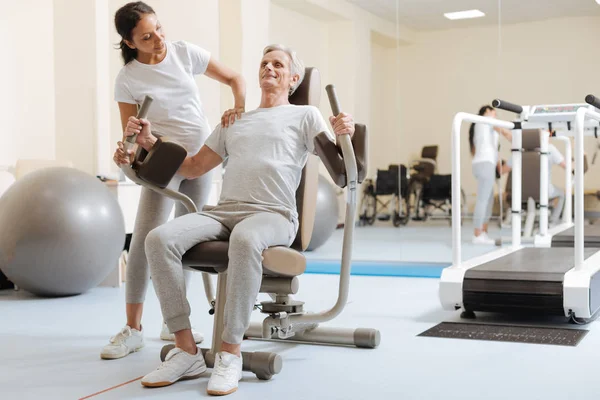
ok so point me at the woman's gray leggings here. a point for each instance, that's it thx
(485, 173)
(154, 210)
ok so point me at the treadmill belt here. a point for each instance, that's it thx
(566, 238)
(507, 333)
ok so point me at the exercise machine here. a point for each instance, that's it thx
(558, 119)
(554, 281)
(564, 235)
(286, 318)
(534, 186)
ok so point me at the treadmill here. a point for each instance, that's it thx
(516, 279)
(534, 120)
(563, 235)
(559, 118)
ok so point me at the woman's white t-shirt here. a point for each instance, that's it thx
(177, 109)
(486, 144)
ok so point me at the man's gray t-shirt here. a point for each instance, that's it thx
(266, 151)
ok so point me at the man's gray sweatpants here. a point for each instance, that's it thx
(249, 229)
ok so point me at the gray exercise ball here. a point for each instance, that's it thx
(61, 232)
(326, 216)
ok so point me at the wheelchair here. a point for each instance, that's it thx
(386, 198)
(429, 192)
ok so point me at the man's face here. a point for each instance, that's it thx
(275, 71)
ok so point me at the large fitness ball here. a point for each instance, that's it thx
(326, 215)
(61, 232)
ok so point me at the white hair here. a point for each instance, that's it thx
(296, 67)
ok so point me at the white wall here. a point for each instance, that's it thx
(303, 33)
(255, 36)
(104, 144)
(338, 42)
(26, 81)
(385, 146)
(440, 73)
(75, 82)
(458, 70)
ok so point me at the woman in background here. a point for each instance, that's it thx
(483, 140)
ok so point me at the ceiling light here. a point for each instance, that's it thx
(466, 14)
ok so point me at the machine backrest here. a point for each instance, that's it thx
(531, 140)
(530, 167)
(531, 158)
(531, 176)
(430, 152)
(308, 93)
(426, 170)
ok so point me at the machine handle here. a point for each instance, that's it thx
(333, 100)
(142, 113)
(592, 100)
(504, 105)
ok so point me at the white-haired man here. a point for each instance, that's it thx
(266, 150)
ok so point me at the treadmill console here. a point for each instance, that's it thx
(557, 117)
(555, 112)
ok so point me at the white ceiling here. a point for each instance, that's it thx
(429, 14)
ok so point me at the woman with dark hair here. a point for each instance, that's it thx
(164, 70)
(483, 140)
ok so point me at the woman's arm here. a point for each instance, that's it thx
(134, 126)
(120, 157)
(236, 82)
(504, 132)
(127, 110)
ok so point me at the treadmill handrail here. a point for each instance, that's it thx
(583, 113)
(568, 211)
(456, 198)
(544, 184)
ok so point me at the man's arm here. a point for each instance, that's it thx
(557, 157)
(342, 124)
(204, 161)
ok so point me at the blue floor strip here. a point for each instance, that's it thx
(371, 268)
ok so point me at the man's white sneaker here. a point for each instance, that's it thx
(125, 342)
(166, 335)
(178, 365)
(483, 239)
(226, 374)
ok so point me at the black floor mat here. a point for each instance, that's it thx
(507, 333)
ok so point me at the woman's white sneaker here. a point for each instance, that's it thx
(226, 374)
(166, 335)
(125, 342)
(483, 238)
(178, 365)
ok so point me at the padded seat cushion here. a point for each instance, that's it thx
(212, 257)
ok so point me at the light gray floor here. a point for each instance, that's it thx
(429, 242)
(50, 348)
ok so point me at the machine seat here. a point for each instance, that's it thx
(278, 261)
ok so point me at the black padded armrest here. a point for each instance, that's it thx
(331, 155)
(161, 163)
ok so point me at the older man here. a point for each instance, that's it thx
(266, 150)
